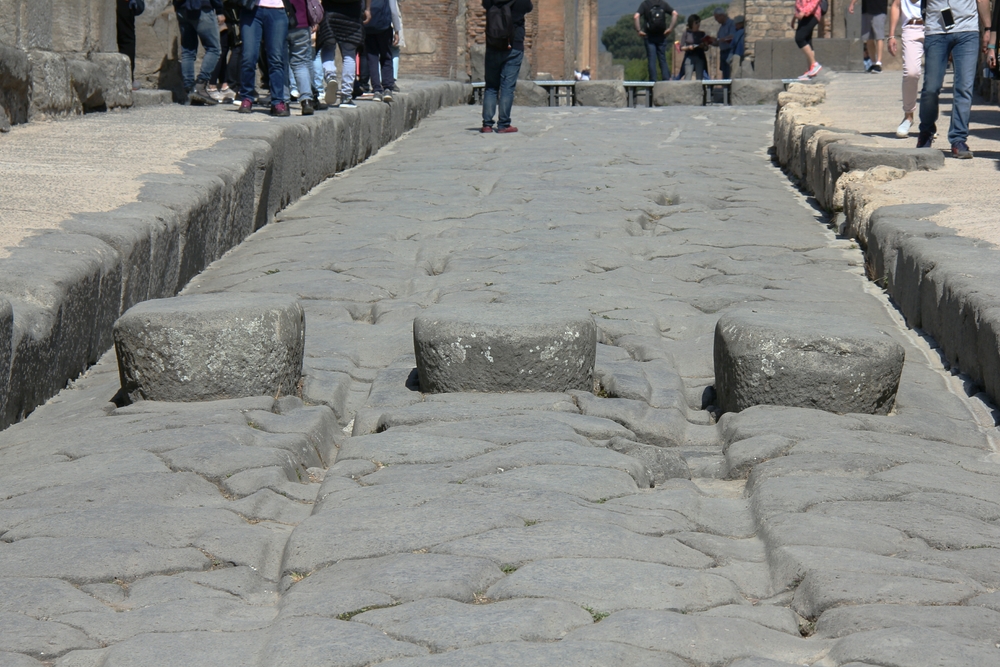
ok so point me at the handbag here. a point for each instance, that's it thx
(315, 12)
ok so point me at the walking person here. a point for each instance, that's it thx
(380, 35)
(198, 20)
(872, 29)
(504, 54)
(807, 16)
(951, 28)
(343, 27)
(652, 24)
(300, 54)
(265, 25)
(126, 11)
(913, 53)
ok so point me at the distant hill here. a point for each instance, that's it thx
(609, 11)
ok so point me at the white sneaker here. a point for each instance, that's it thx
(903, 131)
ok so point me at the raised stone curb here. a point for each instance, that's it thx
(755, 91)
(674, 93)
(944, 284)
(810, 361)
(68, 288)
(503, 347)
(206, 347)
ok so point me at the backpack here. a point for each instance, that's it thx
(315, 12)
(499, 26)
(656, 20)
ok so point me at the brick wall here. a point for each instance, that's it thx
(431, 32)
(772, 19)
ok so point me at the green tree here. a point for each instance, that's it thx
(623, 41)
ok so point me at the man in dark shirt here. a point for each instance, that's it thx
(873, 28)
(653, 29)
(502, 68)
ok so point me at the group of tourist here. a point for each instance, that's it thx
(293, 43)
(655, 20)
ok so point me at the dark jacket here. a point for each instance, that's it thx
(518, 8)
(198, 6)
(343, 24)
(381, 17)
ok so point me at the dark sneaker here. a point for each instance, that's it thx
(510, 129)
(280, 109)
(348, 104)
(307, 107)
(332, 94)
(387, 96)
(200, 95)
(320, 105)
(876, 68)
(960, 150)
(376, 97)
(486, 129)
(924, 140)
(246, 106)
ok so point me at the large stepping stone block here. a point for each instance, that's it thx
(211, 346)
(808, 361)
(504, 347)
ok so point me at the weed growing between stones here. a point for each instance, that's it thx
(508, 569)
(597, 615)
(348, 615)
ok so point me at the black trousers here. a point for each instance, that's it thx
(380, 59)
(126, 32)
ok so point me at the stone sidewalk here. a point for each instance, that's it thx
(366, 523)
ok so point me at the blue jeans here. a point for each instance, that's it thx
(300, 52)
(502, 68)
(319, 83)
(271, 27)
(349, 52)
(194, 26)
(724, 69)
(964, 50)
(656, 50)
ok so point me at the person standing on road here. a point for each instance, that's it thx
(807, 16)
(503, 63)
(652, 25)
(724, 40)
(344, 26)
(199, 20)
(913, 54)
(951, 28)
(872, 28)
(126, 11)
(693, 46)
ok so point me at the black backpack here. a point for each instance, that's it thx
(656, 20)
(499, 26)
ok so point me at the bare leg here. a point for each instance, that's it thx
(810, 55)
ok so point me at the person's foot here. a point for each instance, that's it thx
(486, 129)
(876, 68)
(136, 85)
(331, 92)
(814, 70)
(366, 96)
(307, 107)
(228, 94)
(200, 95)
(960, 150)
(348, 103)
(280, 109)
(246, 106)
(238, 102)
(217, 96)
(510, 129)
(387, 95)
(377, 97)
(924, 140)
(903, 131)
(320, 105)
(294, 95)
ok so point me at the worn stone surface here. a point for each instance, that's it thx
(504, 347)
(529, 94)
(674, 93)
(603, 93)
(816, 361)
(206, 347)
(755, 91)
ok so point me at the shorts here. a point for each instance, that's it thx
(873, 26)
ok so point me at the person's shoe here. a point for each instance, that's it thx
(387, 95)
(217, 96)
(903, 131)
(960, 150)
(331, 93)
(238, 102)
(320, 105)
(366, 96)
(200, 95)
(486, 129)
(136, 85)
(814, 70)
(246, 106)
(924, 140)
(876, 68)
(510, 129)
(395, 88)
(377, 97)
(348, 103)
(307, 107)
(294, 95)
(280, 109)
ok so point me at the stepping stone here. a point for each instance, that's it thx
(504, 347)
(211, 346)
(804, 360)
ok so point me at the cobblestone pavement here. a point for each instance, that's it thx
(373, 524)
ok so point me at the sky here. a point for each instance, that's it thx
(610, 11)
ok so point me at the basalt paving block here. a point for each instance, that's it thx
(208, 347)
(297, 642)
(912, 647)
(805, 360)
(504, 347)
(544, 654)
(43, 639)
(17, 660)
(973, 623)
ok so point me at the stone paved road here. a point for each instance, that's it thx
(372, 524)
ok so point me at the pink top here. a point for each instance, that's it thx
(803, 8)
(272, 4)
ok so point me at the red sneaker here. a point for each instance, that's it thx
(246, 106)
(507, 130)
(486, 129)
